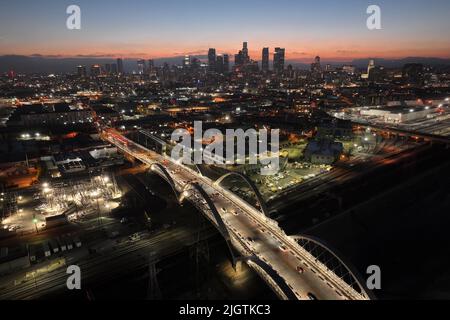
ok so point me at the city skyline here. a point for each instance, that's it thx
(154, 30)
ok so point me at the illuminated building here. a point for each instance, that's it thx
(370, 67)
(81, 71)
(141, 66)
(96, 70)
(186, 61)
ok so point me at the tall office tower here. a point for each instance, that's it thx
(96, 70)
(238, 59)
(166, 72)
(317, 60)
(114, 68)
(81, 71)
(265, 60)
(141, 66)
(212, 59)
(120, 66)
(242, 58)
(245, 56)
(108, 68)
(186, 61)
(316, 67)
(151, 66)
(278, 60)
(219, 64)
(226, 63)
(370, 67)
(290, 71)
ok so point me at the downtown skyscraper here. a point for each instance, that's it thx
(120, 66)
(212, 59)
(265, 60)
(278, 60)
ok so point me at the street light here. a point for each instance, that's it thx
(35, 221)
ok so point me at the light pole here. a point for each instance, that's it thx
(35, 221)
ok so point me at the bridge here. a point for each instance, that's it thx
(295, 267)
(427, 137)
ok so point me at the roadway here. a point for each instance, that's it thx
(252, 233)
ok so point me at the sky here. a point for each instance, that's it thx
(163, 28)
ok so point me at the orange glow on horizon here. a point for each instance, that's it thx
(327, 50)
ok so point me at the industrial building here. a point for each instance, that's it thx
(399, 114)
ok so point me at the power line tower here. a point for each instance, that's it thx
(153, 291)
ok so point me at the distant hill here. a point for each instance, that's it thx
(42, 64)
(391, 63)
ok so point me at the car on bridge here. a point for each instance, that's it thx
(311, 296)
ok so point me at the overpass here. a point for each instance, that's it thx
(296, 268)
(404, 133)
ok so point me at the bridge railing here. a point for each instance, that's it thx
(332, 264)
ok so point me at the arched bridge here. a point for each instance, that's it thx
(294, 267)
(260, 200)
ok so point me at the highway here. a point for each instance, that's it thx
(255, 236)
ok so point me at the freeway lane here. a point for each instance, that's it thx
(273, 246)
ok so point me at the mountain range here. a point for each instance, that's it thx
(51, 64)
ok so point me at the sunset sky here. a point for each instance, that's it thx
(152, 29)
